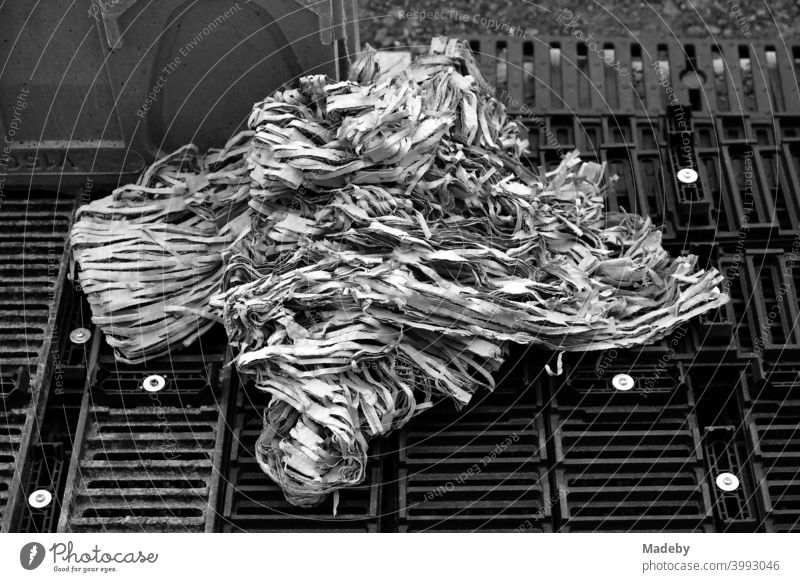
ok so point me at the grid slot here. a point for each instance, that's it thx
(734, 510)
(771, 301)
(33, 231)
(479, 469)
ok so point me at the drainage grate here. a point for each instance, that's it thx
(254, 503)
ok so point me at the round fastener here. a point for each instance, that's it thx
(622, 382)
(40, 498)
(687, 175)
(154, 383)
(727, 481)
(80, 335)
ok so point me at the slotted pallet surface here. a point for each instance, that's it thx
(33, 233)
(773, 436)
(149, 461)
(483, 469)
(141, 469)
(775, 439)
(729, 110)
(560, 74)
(627, 461)
(254, 503)
(12, 425)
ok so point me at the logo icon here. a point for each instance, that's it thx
(31, 555)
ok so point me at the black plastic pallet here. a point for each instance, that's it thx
(33, 231)
(769, 287)
(13, 428)
(775, 442)
(628, 460)
(560, 74)
(773, 435)
(481, 469)
(587, 382)
(148, 462)
(254, 503)
(728, 110)
(35, 226)
(634, 497)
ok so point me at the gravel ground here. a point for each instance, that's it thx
(401, 24)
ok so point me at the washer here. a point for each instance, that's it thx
(727, 481)
(622, 382)
(154, 383)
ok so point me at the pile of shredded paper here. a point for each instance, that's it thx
(396, 244)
